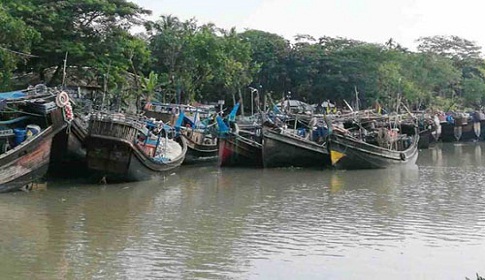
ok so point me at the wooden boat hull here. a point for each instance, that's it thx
(424, 139)
(31, 154)
(235, 150)
(198, 154)
(350, 153)
(425, 128)
(198, 149)
(69, 152)
(464, 133)
(284, 150)
(22, 166)
(75, 145)
(447, 132)
(114, 153)
(163, 116)
(121, 161)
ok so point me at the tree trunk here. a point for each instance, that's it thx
(241, 101)
(137, 86)
(42, 75)
(54, 76)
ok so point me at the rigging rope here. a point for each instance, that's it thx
(18, 53)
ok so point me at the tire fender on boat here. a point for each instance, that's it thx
(62, 99)
(402, 156)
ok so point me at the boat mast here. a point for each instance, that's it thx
(356, 99)
(357, 118)
(64, 72)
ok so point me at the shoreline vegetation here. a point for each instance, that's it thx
(478, 277)
(89, 44)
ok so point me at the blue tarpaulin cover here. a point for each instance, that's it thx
(12, 95)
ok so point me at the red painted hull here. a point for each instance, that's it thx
(239, 151)
(26, 163)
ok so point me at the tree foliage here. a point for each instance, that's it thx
(93, 33)
(16, 40)
(186, 61)
(449, 46)
(197, 59)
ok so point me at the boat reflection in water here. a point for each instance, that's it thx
(236, 223)
(375, 180)
(464, 154)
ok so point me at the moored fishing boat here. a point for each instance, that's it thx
(165, 111)
(424, 125)
(238, 147)
(283, 147)
(425, 137)
(69, 151)
(160, 111)
(461, 126)
(201, 146)
(29, 120)
(78, 133)
(193, 125)
(200, 136)
(383, 149)
(121, 148)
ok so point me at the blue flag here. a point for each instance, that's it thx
(223, 128)
(179, 121)
(232, 116)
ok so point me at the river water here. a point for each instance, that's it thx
(201, 222)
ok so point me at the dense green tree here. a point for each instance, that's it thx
(449, 46)
(304, 68)
(355, 65)
(169, 40)
(333, 68)
(474, 92)
(237, 68)
(432, 75)
(199, 61)
(16, 40)
(270, 54)
(171, 43)
(192, 62)
(465, 56)
(90, 32)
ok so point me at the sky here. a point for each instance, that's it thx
(374, 21)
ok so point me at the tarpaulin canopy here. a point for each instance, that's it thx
(13, 95)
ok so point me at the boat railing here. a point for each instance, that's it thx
(247, 140)
(116, 125)
(169, 107)
(118, 118)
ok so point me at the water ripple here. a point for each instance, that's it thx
(209, 223)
